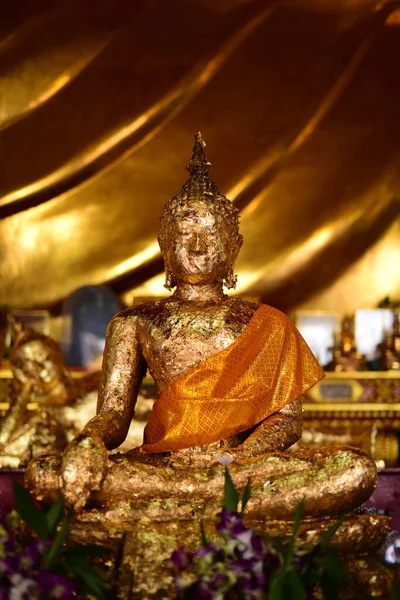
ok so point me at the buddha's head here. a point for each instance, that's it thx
(199, 235)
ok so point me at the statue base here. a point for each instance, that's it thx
(140, 565)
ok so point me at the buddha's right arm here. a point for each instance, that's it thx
(122, 374)
(85, 460)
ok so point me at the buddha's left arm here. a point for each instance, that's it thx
(276, 433)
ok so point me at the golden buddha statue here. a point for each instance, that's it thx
(229, 375)
(391, 356)
(40, 376)
(345, 355)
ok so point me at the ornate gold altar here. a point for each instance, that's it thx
(360, 409)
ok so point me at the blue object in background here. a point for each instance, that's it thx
(86, 315)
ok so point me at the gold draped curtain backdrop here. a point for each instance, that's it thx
(298, 102)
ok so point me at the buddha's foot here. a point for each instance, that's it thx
(358, 533)
(328, 481)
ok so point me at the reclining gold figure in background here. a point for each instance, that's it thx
(40, 375)
(229, 375)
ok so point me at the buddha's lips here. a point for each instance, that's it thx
(200, 263)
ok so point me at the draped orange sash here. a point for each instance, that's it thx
(264, 369)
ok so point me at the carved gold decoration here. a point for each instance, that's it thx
(363, 390)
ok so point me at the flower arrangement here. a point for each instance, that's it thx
(241, 564)
(392, 561)
(39, 566)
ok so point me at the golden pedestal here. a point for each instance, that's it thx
(141, 569)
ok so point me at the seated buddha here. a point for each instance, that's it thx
(229, 374)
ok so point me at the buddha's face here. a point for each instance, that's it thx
(199, 248)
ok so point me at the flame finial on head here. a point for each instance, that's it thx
(198, 163)
(199, 185)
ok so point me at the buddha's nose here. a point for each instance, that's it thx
(198, 243)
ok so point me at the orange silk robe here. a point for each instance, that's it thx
(267, 367)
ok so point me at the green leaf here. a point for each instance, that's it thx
(287, 586)
(277, 588)
(86, 574)
(329, 591)
(333, 573)
(231, 498)
(333, 567)
(331, 531)
(33, 516)
(297, 518)
(246, 495)
(204, 536)
(290, 547)
(295, 586)
(55, 549)
(54, 514)
(310, 573)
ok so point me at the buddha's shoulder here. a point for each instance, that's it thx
(136, 313)
(241, 309)
(268, 314)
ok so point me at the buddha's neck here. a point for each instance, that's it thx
(200, 292)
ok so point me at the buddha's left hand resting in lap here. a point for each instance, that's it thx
(229, 375)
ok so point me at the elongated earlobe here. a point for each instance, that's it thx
(170, 282)
(230, 278)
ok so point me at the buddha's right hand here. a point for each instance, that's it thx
(84, 466)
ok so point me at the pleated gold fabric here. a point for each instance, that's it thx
(267, 367)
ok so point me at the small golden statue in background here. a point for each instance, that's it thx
(229, 374)
(40, 376)
(345, 355)
(392, 346)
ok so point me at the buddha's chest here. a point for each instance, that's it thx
(176, 342)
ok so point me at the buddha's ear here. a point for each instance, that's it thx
(239, 242)
(236, 245)
(230, 278)
(170, 282)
